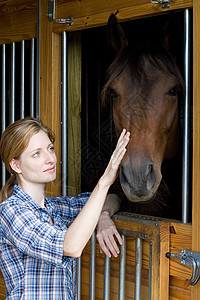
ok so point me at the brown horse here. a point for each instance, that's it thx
(145, 86)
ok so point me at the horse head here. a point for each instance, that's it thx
(145, 85)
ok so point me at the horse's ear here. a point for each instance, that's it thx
(116, 37)
(172, 34)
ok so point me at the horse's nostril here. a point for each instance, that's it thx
(151, 176)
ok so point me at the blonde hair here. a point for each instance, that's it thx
(13, 142)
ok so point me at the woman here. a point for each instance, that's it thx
(40, 237)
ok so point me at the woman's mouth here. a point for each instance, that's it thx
(50, 170)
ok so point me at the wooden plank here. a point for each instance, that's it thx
(90, 13)
(180, 238)
(196, 137)
(74, 114)
(18, 20)
(50, 90)
(164, 262)
(2, 288)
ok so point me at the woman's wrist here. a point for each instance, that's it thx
(104, 183)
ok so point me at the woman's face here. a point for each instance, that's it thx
(37, 164)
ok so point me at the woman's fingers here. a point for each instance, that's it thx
(111, 171)
(121, 146)
(108, 237)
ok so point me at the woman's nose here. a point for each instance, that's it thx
(50, 157)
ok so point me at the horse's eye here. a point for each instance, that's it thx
(174, 91)
(112, 93)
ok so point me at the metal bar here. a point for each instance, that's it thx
(106, 278)
(150, 271)
(64, 116)
(92, 266)
(99, 106)
(32, 81)
(122, 269)
(87, 109)
(79, 277)
(3, 107)
(12, 88)
(3, 93)
(38, 63)
(22, 81)
(138, 268)
(186, 129)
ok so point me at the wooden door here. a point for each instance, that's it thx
(18, 20)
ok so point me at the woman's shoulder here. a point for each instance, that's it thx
(11, 202)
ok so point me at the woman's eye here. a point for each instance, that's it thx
(36, 154)
(174, 91)
(51, 149)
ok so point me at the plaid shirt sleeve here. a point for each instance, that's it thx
(22, 229)
(69, 207)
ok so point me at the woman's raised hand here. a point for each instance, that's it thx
(111, 171)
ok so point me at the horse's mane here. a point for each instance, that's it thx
(134, 58)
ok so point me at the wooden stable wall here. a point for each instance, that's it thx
(18, 20)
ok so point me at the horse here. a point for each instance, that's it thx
(145, 86)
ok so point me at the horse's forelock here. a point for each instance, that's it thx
(134, 59)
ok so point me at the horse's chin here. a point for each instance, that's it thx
(136, 199)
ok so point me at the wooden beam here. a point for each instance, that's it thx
(196, 138)
(90, 13)
(50, 85)
(18, 20)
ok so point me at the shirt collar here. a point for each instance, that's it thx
(28, 200)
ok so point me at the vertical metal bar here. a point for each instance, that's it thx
(79, 277)
(64, 113)
(99, 108)
(92, 266)
(138, 268)
(150, 271)
(32, 81)
(186, 129)
(87, 109)
(22, 81)
(122, 269)
(106, 278)
(12, 88)
(3, 106)
(38, 63)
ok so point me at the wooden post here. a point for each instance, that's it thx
(74, 114)
(196, 138)
(50, 84)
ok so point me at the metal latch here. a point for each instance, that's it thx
(189, 258)
(165, 3)
(68, 21)
(51, 10)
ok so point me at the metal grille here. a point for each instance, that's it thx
(18, 76)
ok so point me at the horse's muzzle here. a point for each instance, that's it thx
(139, 181)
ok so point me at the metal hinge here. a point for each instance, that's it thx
(165, 3)
(51, 10)
(189, 258)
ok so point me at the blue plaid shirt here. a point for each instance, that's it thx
(31, 249)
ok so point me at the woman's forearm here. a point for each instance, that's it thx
(112, 204)
(83, 226)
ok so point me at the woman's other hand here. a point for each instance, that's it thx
(107, 235)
